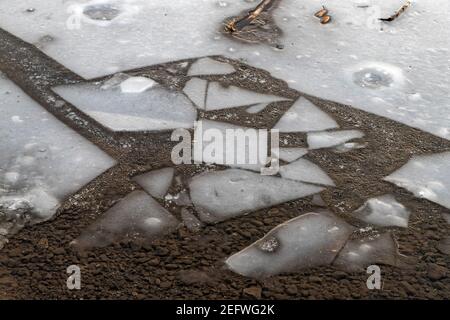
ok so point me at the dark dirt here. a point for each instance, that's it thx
(189, 265)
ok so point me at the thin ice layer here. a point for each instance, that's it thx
(131, 105)
(136, 216)
(427, 177)
(156, 182)
(225, 194)
(41, 160)
(304, 116)
(311, 240)
(326, 139)
(407, 82)
(360, 253)
(384, 211)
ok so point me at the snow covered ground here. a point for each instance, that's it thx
(399, 70)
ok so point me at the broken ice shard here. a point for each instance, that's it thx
(221, 195)
(306, 171)
(426, 177)
(310, 240)
(384, 211)
(156, 182)
(134, 104)
(360, 253)
(304, 116)
(137, 216)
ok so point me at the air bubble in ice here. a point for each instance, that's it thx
(103, 12)
(372, 78)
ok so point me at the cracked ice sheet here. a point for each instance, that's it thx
(41, 160)
(426, 177)
(407, 83)
(310, 240)
(131, 104)
(384, 211)
(136, 216)
(225, 194)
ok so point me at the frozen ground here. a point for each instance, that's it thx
(395, 70)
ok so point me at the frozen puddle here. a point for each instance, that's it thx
(131, 104)
(137, 216)
(426, 177)
(358, 254)
(406, 83)
(311, 240)
(208, 66)
(156, 182)
(325, 139)
(304, 116)
(306, 171)
(41, 160)
(221, 195)
(384, 211)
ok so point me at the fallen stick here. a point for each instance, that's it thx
(239, 24)
(398, 12)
